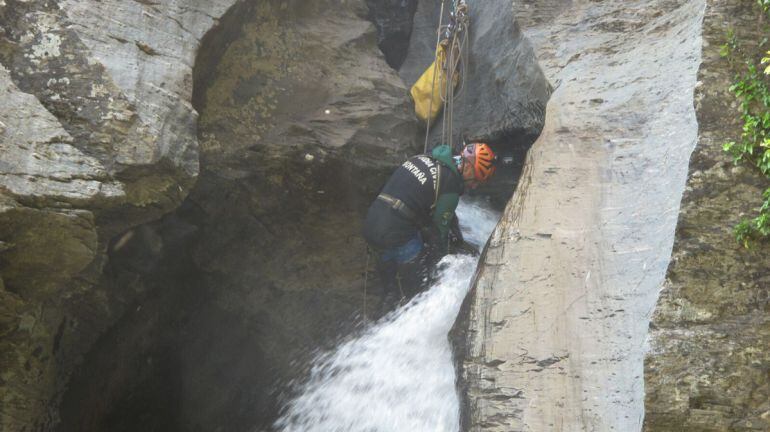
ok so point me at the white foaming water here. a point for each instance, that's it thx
(398, 375)
(477, 220)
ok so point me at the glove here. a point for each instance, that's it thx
(435, 248)
(455, 234)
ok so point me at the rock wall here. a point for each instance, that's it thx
(503, 94)
(504, 91)
(555, 327)
(262, 263)
(301, 122)
(196, 316)
(393, 19)
(301, 125)
(708, 365)
(97, 134)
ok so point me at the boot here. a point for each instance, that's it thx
(416, 275)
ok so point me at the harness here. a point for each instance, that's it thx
(401, 207)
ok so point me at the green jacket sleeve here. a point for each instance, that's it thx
(442, 218)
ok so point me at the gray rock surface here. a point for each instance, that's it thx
(301, 122)
(710, 335)
(558, 317)
(504, 91)
(39, 159)
(148, 49)
(422, 44)
(97, 134)
(502, 98)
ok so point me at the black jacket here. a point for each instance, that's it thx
(413, 184)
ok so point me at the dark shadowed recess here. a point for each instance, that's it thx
(177, 360)
(511, 149)
(262, 265)
(393, 19)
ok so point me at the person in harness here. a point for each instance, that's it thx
(412, 222)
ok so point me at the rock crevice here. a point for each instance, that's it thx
(95, 137)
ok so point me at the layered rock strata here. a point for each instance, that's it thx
(96, 134)
(557, 320)
(710, 336)
(302, 120)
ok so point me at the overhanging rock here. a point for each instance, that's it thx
(97, 133)
(503, 92)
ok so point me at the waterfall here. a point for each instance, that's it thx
(398, 375)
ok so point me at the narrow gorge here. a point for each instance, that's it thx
(183, 186)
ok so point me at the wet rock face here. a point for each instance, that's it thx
(505, 92)
(96, 134)
(503, 95)
(301, 122)
(707, 367)
(558, 317)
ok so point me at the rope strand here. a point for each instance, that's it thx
(433, 81)
(452, 62)
(455, 62)
(366, 277)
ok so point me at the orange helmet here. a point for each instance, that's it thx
(483, 159)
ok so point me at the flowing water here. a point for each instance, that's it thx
(398, 375)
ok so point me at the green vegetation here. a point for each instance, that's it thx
(764, 4)
(752, 89)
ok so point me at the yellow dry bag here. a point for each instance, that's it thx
(428, 99)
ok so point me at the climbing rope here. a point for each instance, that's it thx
(366, 277)
(457, 36)
(454, 61)
(433, 80)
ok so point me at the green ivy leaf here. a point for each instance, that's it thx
(752, 92)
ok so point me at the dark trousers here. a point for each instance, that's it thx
(406, 279)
